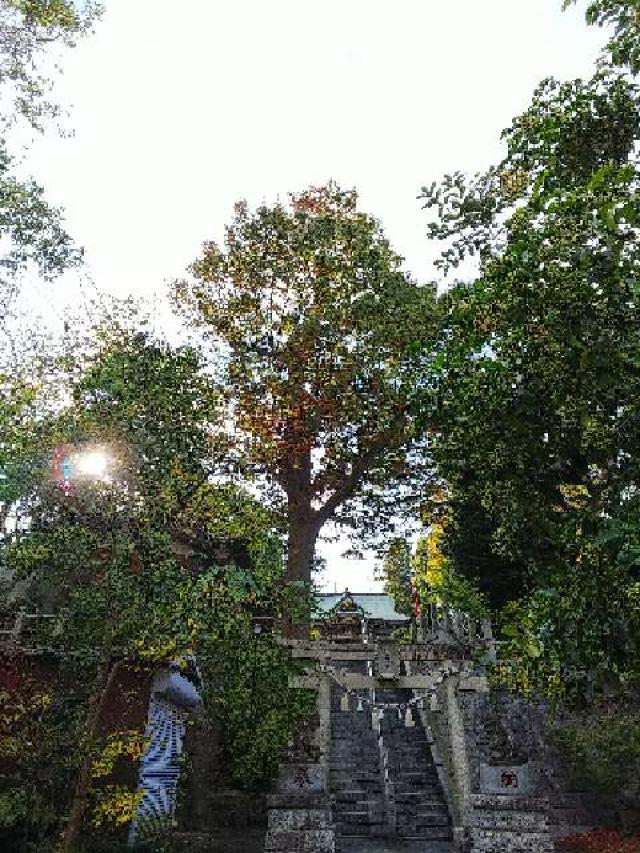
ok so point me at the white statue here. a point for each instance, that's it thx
(174, 693)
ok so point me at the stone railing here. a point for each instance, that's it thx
(438, 623)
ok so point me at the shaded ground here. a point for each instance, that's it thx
(249, 841)
(392, 845)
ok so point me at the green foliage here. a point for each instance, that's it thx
(156, 405)
(18, 440)
(31, 230)
(624, 17)
(437, 582)
(40, 730)
(602, 751)
(535, 408)
(258, 709)
(577, 636)
(151, 562)
(13, 807)
(397, 576)
(461, 594)
(29, 29)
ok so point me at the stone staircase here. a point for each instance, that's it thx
(416, 799)
(385, 790)
(355, 776)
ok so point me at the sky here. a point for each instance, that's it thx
(180, 109)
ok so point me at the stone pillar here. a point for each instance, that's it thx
(299, 806)
(324, 718)
(300, 811)
(459, 757)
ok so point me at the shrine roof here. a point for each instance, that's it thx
(376, 605)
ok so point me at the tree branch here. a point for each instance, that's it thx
(360, 466)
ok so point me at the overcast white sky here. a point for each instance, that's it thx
(182, 108)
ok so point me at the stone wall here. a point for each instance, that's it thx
(485, 768)
(300, 817)
(478, 739)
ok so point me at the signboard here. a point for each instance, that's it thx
(513, 779)
(302, 779)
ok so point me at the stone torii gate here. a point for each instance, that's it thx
(445, 678)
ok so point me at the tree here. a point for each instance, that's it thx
(624, 47)
(396, 573)
(32, 231)
(539, 379)
(103, 554)
(315, 320)
(538, 384)
(34, 236)
(155, 404)
(29, 29)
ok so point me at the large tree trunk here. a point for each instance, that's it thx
(303, 522)
(301, 546)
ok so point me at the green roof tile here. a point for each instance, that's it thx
(376, 605)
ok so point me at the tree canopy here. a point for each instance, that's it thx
(315, 320)
(537, 417)
(32, 230)
(144, 562)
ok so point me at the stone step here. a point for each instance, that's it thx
(351, 758)
(365, 786)
(422, 820)
(340, 774)
(350, 718)
(360, 816)
(356, 780)
(353, 793)
(371, 805)
(362, 803)
(414, 775)
(356, 783)
(353, 739)
(404, 735)
(423, 795)
(342, 728)
(347, 795)
(419, 798)
(416, 792)
(346, 828)
(344, 732)
(351, 796)
(430, 834)
(408, 749)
